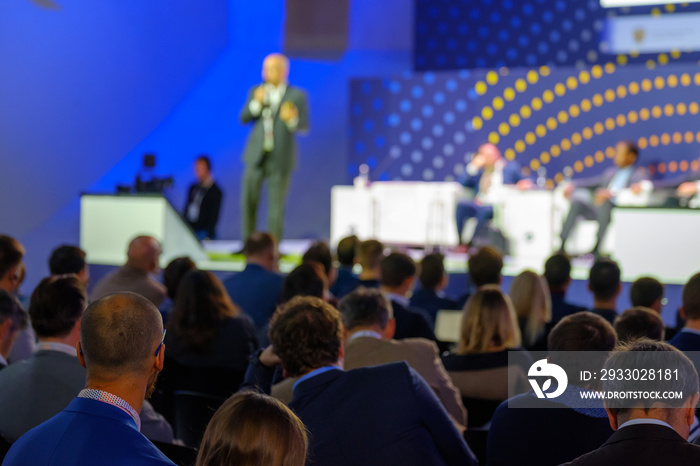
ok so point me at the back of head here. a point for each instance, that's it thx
(557, 271)
(639, 322)
(173, 273)
(396, 268)
(307, 334)
(11, 309)
(57, 303)
(321, 253)
(259, 244)
(365, 307)
(531, 299)
(646, 291)
(346, 250)
(604, 279)
(120, 334)
(485, 267)
(11, 254)
(143, 253)
(488, 322)
(302, 281)
(370, 253)
(252, 429)
(691, 298)
(67, 259)
(432, 271)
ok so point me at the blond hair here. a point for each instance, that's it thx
(488, 321)
(533, 304)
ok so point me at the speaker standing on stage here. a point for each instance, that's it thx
(277, 111)
(203, 201)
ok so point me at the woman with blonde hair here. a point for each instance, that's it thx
(488, 365)
(533, 306)
(251, 429)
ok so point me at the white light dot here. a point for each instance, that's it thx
(428, 174)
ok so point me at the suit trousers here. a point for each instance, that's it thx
(469, 209)
(277, 186)
(581, 208)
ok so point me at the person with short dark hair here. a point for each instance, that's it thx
(547, 432)
(557, 272)
(604, 282)
(12, 319)
(11, 277)
(172, 274)
(639, 322)
(484, 268)
(624, 174)
(304, 280)
(370, 254)
(688, 339)
(69, 259)
(648, 431)
(357, 416)
(647, 292)
(203, 200)
(252, 429)
(433, 280)
(121, 346)
(345, 281)
(319, 255)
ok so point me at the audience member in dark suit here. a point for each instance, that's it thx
(69, 259)
(649, 431)
(370, 255)
(203, 201)
(257, 289)
(433, 280)
(172, 275)
(530, 296)
(359, 416)
(639, 322)
(252, 428)
(604, 282)
(398, 275)
(206, 328)
(11, 277)
(485, 173)
(649, 292)
(134, 276)
(607, 186)
(12, 319)
(121, 345)
(319, 255)
(34, 390)
(557, 272)
(484, 269)
(345, 281)
(480, 367)
(688, 339)
(527, 430)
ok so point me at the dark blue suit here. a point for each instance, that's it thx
(345, 283)
(562, 308)
(374, 416)
(686, 341)
(431, 302)
(411, 322)
(86, 432)
(256, 291)
(469, 209)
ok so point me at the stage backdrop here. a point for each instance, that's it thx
(425, 126)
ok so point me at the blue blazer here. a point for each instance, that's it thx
(86, 432)
(431, 302)
(256, 291)
(345, 283)
(511, 175)
(686, 341)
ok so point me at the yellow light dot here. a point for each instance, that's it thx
(492, 77)
(497, 103)
(480, 88)
(621, 120)
(632, 117)
(634, 88)
(677, 137)
(563, 117)
(662, 59)
(544, 157)
(599, 156)
(486, 113)
(698, 137)
(688, 137)
(536, 104)
(519, 146)
(540, 130)
(685, 79)
(609, 68)
(576, 139)
(610, 152)
(672, 80)
(534, 164)
(693, 108)
(559, 89)
(588, 161)
(597, 71)
(494, 138)
(514, 120)
(609, 95)
(670, 8)
(587, 133)
(675, 54)
(565, 144)
(530, 138)
(672, 166)
(621, 91)
(622, 60)
(655, 12)
(665, 139)
(651, 64)
(644, 114)
(634, 53)
(509, 94)
(597, 100)
(584, 76)
(656, 111)
(520, 85)
(548, 96)
(558, 177)
(544, 70)
(574, 111)
(642, 143)
(684, 165)
(598, 128)
(510, 154)
(585, 105)
(551, 123)
(669, 110)
(646, 85)
(696, 79)
(653, 140)
(477, 123)
(609, 124)
(525, 112)
(532, 77)
(571, 83)
(659, 82)
(555, 150)
(578, 166)
(504, 129)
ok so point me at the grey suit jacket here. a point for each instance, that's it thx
(604, 179)
(35, 390)
(283, 156)
(421, 354)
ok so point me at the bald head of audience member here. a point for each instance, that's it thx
(121, 346)
(639, 322)
(261, 249)
(11, 264)
(144, 254)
